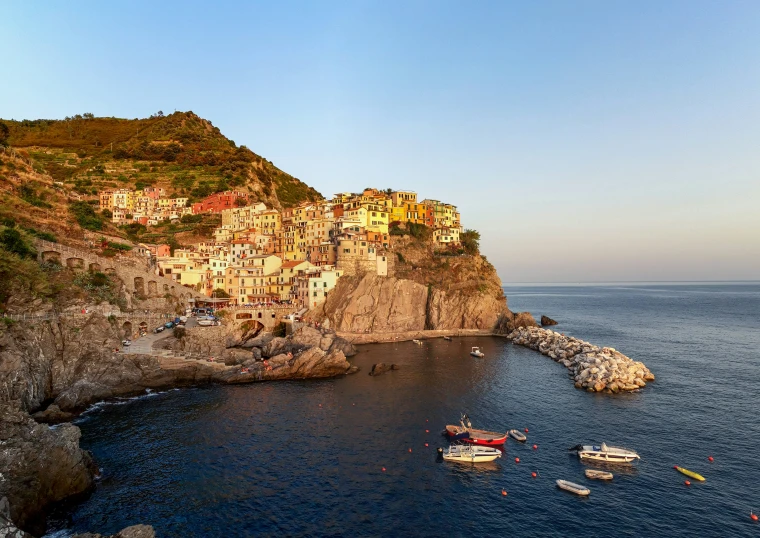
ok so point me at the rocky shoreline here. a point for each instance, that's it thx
(593, 368)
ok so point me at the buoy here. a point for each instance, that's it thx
(687, 483)
(320, 405)
(675, 467)
(534, 474)
(427, 431)
(426, 444)
(710, 459)
(410, 450)
(752, 516)
(517, 460)
(383, 469)
(440, 451)
(535, 447)
(526, 430)
(504, 492)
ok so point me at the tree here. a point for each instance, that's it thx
(219, 293)
(5, 133)
(12, 240)
(241, 202)
(88, 115)
(107, 213)
(470, 240)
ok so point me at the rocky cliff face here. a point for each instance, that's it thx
(371, 303)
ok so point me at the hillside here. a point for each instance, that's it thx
(181, 152)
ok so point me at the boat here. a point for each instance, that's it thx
(465, 432)
(418, 342)
(695, 476)
(573, 487)
(518, 435)
(476, 352)
(447, 338)
(598, 475)
(610, 454)
(470, 453)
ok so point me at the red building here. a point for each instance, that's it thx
(219, 201)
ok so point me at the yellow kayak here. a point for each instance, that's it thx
(695, 476)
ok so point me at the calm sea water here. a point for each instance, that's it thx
(306, 458)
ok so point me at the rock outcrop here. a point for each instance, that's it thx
(380, 368)
(594, 368)
(546, 321)
(40, 465)
(135, 531)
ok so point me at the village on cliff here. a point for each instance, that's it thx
(260, 255)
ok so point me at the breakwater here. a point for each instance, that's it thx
(594, 368)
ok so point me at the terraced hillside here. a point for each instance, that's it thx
(181, 152)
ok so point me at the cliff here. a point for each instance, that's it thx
(427, 292)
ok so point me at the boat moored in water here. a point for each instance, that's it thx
(609, 454)
(470, 453)
(447, 338)
(572, 487)
(465, 432)
(418, 342)
(598, 475)
(476, 352)
(517, 435)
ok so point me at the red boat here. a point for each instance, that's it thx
(465, 432)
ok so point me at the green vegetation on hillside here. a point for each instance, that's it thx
(181, 152)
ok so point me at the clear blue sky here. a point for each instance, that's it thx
(587, 141)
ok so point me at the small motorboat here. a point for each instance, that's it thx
(517, 435)
(447, 338)
(470, 453)
(418, 342)
(695, 476)
(609, 454)
(598, 475)
(476, 352)
(573, 487)
(465, 432)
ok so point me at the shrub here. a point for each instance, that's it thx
(12, 241)
(470, 240)
(85, 215)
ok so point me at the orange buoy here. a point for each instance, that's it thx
(752, 516)
(534, 474)
(517, 460)
(410, 450)
(710, 459)
(427, 431)
(687, 483)
(535, 447)
(526, 430)
(504, 492)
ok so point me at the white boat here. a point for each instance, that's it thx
(208, 322)
(470, 453)
(598, 475)
(517, 435)
(476, 352)
(609, 454)
(418, 342)
(573, 487)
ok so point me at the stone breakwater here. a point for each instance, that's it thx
(594, 368)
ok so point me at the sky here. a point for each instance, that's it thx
(586, 141)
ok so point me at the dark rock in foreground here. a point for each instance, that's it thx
(546, 321)
(380, 368)
(40, 465)
(135, 531)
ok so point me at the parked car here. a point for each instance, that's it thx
(159, 329)
(169, 324)
(126, 343)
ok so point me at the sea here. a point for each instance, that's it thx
(357, 456)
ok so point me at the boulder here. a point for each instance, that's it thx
(381, 367)
(547, 321)
(256, 353)
(260, 341)
(306, 337)
(53, 415)
(135, 531)
(277, 346)
(235, 356)
(344, 346)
